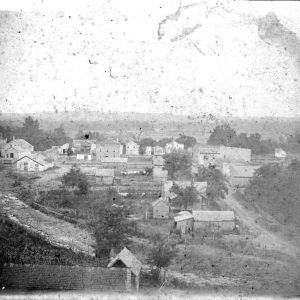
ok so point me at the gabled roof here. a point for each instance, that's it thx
(183, 215)
(129, 260)
(20, 143)
(212, 216)
(36, 158)
(160, 200)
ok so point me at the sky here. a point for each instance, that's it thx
(227, 58)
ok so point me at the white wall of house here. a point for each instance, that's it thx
(27, 164)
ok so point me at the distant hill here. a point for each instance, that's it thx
(155, 125)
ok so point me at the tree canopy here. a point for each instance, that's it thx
(216, 182)
(188, 141)
(75, 178)
(185, 196)
(276, 189)
(178, 164)
(227, 136)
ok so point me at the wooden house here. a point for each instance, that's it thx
(160, 208)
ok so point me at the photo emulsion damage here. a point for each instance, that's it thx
(149, 149)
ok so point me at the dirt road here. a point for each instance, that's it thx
(262, 236)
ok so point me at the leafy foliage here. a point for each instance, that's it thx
(216, 182)
(178, 164)
(185, 196)
(188, 141)
(75, 178)
(227, 136)
(276, 189)
(32, 133)
(160, 255)
(112, 230)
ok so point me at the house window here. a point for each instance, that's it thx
(11, 155)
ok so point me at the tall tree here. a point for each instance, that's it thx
(216, 182)
(188, 141)
(112, 230)
(186, 197)
(178, 164)
(222, 135)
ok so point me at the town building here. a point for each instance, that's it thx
(108, 149)
(173, 147)
(157, 150)
(84, 146)
(132, 148)
(239, 174)
(105, 176)
(183, 221)
(33, 163)
(213, 221)
(126, 259)
(161, 208)
(14, 150)
(280, 153)
(207, 155)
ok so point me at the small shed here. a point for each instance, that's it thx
(161, 208)
(105, 176)
(63, 149)
(126, 259)
(184, 221)
(213, 220)
(280, 153)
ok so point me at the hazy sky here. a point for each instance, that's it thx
(150, 56)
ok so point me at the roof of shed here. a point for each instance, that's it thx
(129, 260)
(213, 216)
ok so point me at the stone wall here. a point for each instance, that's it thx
(58, 277)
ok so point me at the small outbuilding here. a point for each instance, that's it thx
(184, 221)
(161, 208)
(126, 259)
(213, 220)
(33, 163)
(280, 153)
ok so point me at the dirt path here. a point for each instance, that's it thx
(263, 237)
(57, 232)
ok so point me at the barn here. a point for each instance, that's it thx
(213, 220)
(33, 163)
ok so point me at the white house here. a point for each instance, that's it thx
(33, 163)
(13, 151)
(63, 149)
(173, 147)
(280, 153)
(148, 150)
(157, 150)
(132, 148)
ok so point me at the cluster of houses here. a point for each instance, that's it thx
(20, 154)
(189, 221)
